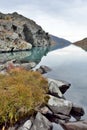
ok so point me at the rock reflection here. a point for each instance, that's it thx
(34, 55)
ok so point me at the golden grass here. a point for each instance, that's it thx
(20, 92)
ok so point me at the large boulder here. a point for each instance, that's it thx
(56, 85)
(58, 105)
(54, 89)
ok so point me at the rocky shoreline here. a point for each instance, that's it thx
(58, 109)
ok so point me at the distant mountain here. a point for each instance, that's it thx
(82, 43)
(58, 43)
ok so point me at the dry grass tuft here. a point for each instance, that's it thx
(20, 92)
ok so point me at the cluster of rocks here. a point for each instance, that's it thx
(7, 64)
(4, 68)
(58, 110)
(19, 33)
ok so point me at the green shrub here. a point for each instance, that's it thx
(20, 92)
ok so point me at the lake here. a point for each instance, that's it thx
(69, 64)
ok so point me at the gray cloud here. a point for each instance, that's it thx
(70, 14)
(67, 9)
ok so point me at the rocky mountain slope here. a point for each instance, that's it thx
(82, 43)
(20, 33)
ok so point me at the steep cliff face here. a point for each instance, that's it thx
(20, 33)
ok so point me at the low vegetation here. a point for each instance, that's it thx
(20, 92)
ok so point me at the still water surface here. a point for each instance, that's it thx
(69, 64)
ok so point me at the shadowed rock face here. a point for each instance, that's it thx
(20, 33)
(82, 44)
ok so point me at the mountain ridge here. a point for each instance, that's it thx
(58, 42)
(82, 43)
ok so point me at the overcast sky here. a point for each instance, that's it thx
(62, 18)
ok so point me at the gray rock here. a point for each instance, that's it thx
(22, 45)
(41, 123)
(52, 116)
(26, 126)
(54, 89)
(62, 117)
(28, 66)
(44, 110)
(3, 72)
(39, 70)
(2, 45)
(79, 125)
(62, 85)
(2, 67)
(43, 69)
(57, 127)
(1, 28)
(77, 111)
(58, 105)
(14, 36)
(9, 65)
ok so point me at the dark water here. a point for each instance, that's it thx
(70, 64)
